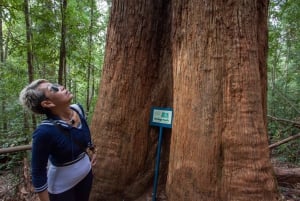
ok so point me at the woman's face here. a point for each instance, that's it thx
(56, 94)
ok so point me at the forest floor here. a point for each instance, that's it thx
(289, 192)
(13, 190)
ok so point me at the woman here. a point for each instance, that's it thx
(61, 169)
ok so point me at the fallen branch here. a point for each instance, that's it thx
(15, 149)
(294, 123)
(284, 141)
(287, 176)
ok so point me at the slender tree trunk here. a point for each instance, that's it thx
(63, 51)
(28, 41)
(219, 148)
(1, 37)
(30, 68)
(29, 58)
(4, 125)
(89, 92)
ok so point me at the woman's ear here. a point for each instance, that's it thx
(47, 104)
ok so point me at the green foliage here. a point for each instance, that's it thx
(284, 75)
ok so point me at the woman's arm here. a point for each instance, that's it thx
(39, 161)
(44, 195)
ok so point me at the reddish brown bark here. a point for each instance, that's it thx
(136, 76)
(219, 148)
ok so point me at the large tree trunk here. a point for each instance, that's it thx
(219, 148)
(136, 76)
(216, 51)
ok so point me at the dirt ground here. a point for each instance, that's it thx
(13, 190)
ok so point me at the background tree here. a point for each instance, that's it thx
(62, 72)
(2, 58)
(208, 61)
(28, 41)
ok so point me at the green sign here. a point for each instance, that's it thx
(161, 117)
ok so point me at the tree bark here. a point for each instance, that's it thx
(220, 150)
(136, 76)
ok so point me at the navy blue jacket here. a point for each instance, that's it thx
(50, 142)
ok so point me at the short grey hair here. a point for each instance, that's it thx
(31, 97)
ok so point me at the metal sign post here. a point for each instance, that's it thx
(161, 117)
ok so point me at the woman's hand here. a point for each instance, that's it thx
(93, 159)
(92, 152)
